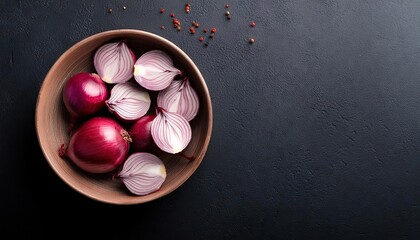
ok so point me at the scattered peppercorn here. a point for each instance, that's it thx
(211, 35)
(252, 24)
(205, 30)
(192, 30)
(162, 27)
(187, 8)
(206, 44)
(124, 7)
(162, 10)
(178, 28)
(201, 38)
(172, 15)
(109, 10)
(227, 6)
(227, 13)
(213, 30)
(195, 24)
(251, 40)
(229, 17)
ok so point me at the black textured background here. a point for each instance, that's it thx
(316, 125)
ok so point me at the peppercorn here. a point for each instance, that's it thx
(172, 15)
(251, 40)
(124, 7)
(192, 30)
(201, 38)
(213, 30)
(162, 27)
(178, 28)
(227, 13)
(227, 6)
(252, 24)
(109, 10)
(205, 30)
(162, 10)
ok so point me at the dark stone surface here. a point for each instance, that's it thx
(316, 125)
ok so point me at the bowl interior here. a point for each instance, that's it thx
(52, 118)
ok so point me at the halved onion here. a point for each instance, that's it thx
(114, 62)
(171, 132)
(179, 97)
(143, 173)
(154, 70)
(128, 101)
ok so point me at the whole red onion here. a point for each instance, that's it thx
(141, 134)
(84, 94)
(100, 145)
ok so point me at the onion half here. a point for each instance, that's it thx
(179, 97)
(154, 70)
(171, 132)
(128, 101)
(143, 173)
(114, 62)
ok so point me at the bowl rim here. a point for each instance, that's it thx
(116, 33)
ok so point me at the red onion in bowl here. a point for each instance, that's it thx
(179, 97)
(129, 101)
(114, 62)
(100, 145)
(140, 132)
(142, 173)
(154, 70)
(84, 94)
(170, 131)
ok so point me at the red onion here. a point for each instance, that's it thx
(140, 132)
(170, 131)
(179, 97)
(143, 173)
(128, 101)
(100, 145)
(154, 70)
(84, 94)
(114, 62)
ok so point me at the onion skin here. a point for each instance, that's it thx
(140, 132)
(100, 145)
(84, 94)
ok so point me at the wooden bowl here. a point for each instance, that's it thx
(52, 119)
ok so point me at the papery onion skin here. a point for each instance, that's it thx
(181, 98)
(100, 145)
(171, 132)
(84, 94)
(128, 101)
(114, 62)
(142, 173)
(140, 132)
(154, 70)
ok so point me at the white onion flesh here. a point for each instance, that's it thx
(143, 173)
(170, 131)
(179, 97)
(154, 70)
(128, 101)
(114, 62)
